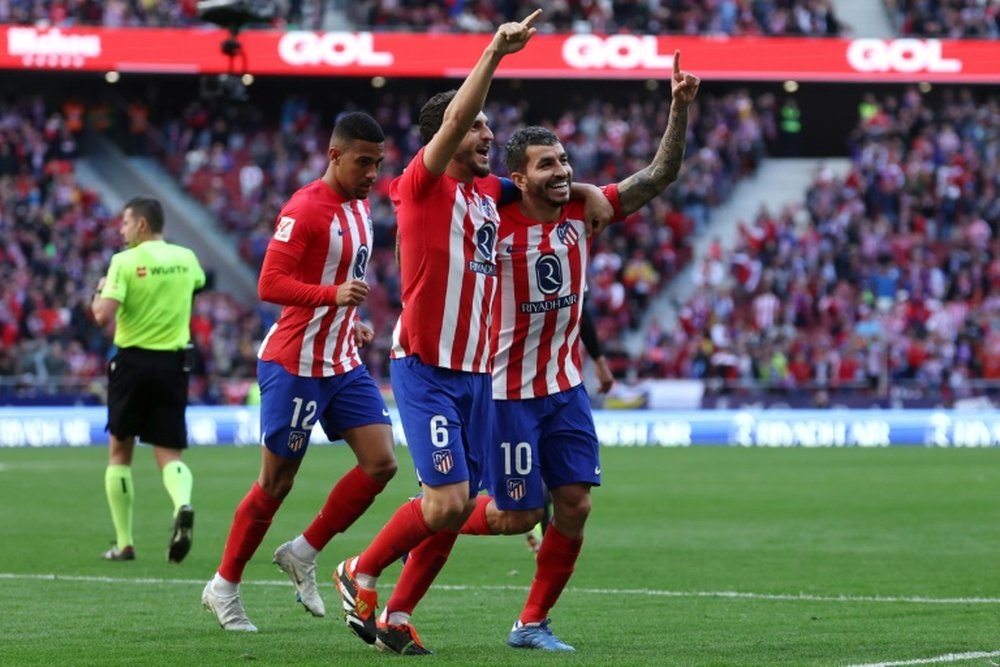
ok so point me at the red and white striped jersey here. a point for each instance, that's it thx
(542, 270)
(330, 238)
(447, 237)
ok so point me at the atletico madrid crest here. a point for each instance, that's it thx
(567, 233)
(515, 488)
(296, 440)
(443, 461)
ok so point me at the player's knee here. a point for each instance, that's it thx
(575, 509)
(444, 511)
(276, 488)
(382, 469)
(514, 522)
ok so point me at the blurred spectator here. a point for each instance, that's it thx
(729, 17)
(889, 275)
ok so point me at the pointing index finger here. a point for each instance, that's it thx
(677, 63)
(531, 18)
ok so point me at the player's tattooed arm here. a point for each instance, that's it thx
(639, 188)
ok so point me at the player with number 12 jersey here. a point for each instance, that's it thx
(329, 238)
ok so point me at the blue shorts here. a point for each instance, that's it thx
(447, 417)
(551, 439)
(291, 404)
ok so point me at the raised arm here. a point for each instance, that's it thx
(639, 188)
(468, 101)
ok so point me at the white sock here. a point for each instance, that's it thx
(224, 586)
(399, 618)
(302, 549)
(365, 580)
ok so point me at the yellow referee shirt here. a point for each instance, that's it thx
(154, 283)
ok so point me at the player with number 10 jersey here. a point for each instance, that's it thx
(542, 271)
(542, 268)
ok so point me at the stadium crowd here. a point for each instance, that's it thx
(890, 273)
(730, 17)
(792, 304)
(57, 239)
(949, 19)
(243, 170)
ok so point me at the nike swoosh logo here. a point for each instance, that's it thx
(597, 470)
(385, 412)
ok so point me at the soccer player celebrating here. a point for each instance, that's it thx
(545, 431)
(309, 369)
(446, 210)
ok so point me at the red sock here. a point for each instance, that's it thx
(422, 567)
(402, 533)
(554, 565)
(348, 500)
(476, 524)
(250, 523)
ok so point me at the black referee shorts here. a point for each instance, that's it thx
(147, 396)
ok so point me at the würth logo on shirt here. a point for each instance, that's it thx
(140, 271)
(283, 232)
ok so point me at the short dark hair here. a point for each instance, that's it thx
(432, 114)
(517, 146)
(149, 208)
(357, 125)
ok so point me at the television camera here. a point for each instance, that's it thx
(232, 15)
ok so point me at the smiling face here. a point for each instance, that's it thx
(354, 167)
(546, 177)
(473, 153)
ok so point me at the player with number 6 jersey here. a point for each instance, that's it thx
(447, 231)
(446, 209)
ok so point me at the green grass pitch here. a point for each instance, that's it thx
(702, 556)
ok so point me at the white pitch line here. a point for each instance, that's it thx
(948, 657)
(734, 595)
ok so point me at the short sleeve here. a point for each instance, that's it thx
(292, 232)
(415, 183)
(116, 283)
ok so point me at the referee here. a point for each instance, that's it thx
(148, 292)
